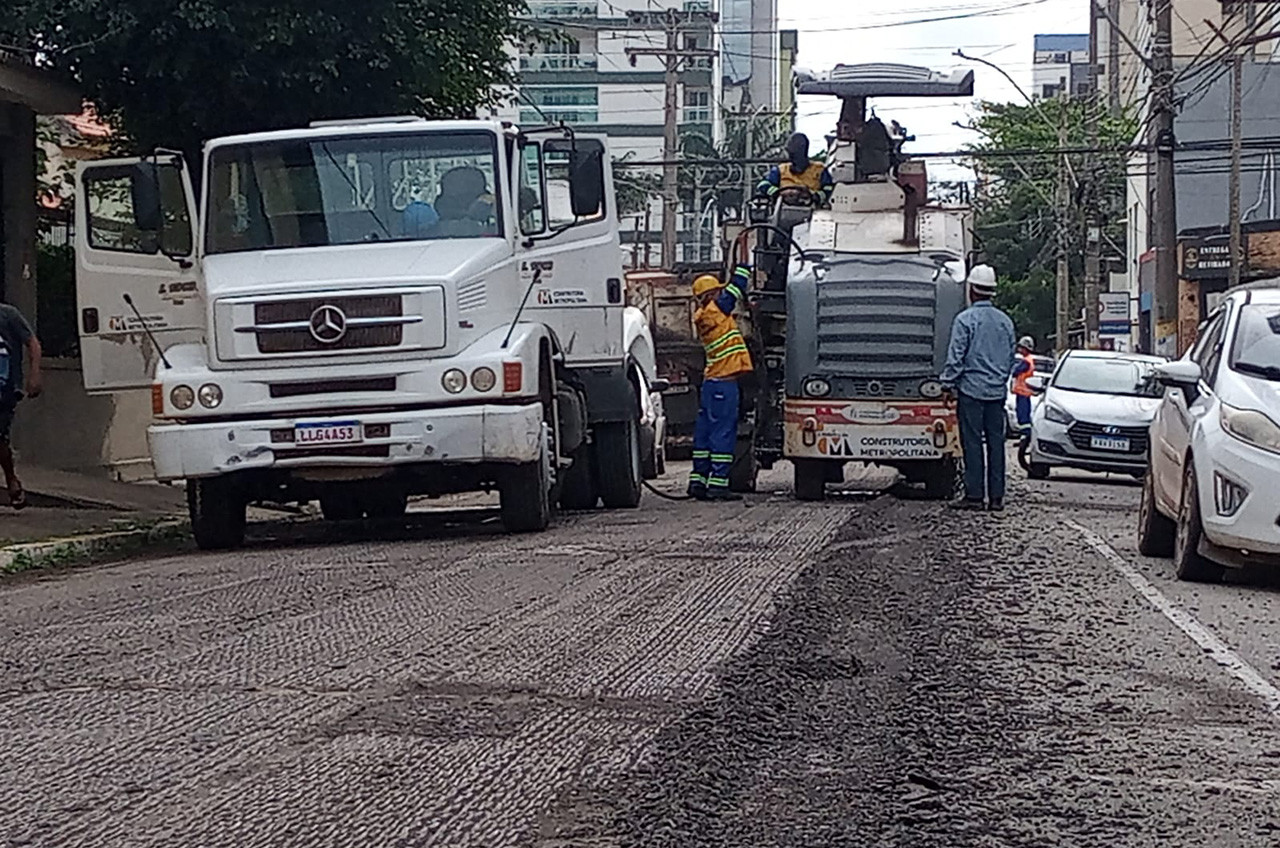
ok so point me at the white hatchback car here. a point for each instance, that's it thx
(1211, 498)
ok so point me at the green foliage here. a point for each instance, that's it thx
(1017, 221)
(725, 182)
(173, 74)
(635, 187)
(56, 307)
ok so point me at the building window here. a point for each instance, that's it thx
(697, 106)
(1050, 91)
(1060, 58)
(700, 63)
(572, 104)
(697, 5)
(563, 8)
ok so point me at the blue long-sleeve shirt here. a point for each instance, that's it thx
(981, 354)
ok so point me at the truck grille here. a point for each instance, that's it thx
(876, 329)
(368, 322)
(1082, 432)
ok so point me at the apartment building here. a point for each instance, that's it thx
(1061, 65)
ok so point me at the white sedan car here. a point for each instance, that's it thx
(1095, 413)
(1210, 497)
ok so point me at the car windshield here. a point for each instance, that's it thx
(351, 190)
(1257, 346)
(1099, 376)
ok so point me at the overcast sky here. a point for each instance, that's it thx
(840, 31)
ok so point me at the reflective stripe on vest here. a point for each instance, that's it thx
(1020, 385)
(726, 349)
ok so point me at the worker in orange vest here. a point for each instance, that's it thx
(715, 436)
(1023, 370)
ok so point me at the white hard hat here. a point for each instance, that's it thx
(982, 277)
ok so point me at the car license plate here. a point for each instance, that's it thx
(1109, 443)
(328, 433)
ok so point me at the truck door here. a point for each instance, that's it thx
(135, 240)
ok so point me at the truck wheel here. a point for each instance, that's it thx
(578, 486)
(617, 464)
(810, 479)
(1187, 561)
(745, 469)
(525, 495)
(384, 505)
(217, 509)
(649, 454)
(942, 479)
(1155, 531)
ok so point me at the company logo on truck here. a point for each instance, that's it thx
(328, 324)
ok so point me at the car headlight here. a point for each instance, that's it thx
(483, 379)
(182, 397)
(453, 381)
(210, 395)
(1057, 414)
(1249, 425)
(1228, 495)
(931, 389)
(817, 387)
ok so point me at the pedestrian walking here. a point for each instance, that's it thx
(20, 377)
(715, 436)
(980, 359)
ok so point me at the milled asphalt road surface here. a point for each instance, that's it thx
(854, 673)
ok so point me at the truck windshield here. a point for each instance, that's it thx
(352, 190)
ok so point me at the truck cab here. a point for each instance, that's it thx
(854, 300)
(356, 312)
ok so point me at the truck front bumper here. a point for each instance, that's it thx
(450, 435)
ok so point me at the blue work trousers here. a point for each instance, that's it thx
(715, 435)
(982, 426)
(1024, 413)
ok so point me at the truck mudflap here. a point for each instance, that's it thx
(885, 432)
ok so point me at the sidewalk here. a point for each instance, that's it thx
(65, 504)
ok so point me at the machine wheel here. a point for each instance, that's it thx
(578, 489)
(810, 480)
(341, 506)
(943, 479)
(1038, 471)
(217, 510)
(1155, 531)
(1187, 561)
(525, 495)
(617, 464)
(384, 504)
(649, 454)
(745, 469)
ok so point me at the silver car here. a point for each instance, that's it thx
(1095, 414)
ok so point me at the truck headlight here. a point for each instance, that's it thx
(1057, 414)
(210, 395)
(182, 397)
(1249, 425)
(483, 379)
(931, 389)
(453, 381)
(817, 387)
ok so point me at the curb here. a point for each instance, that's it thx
(78, 550)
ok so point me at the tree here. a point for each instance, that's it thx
(174, 74)
(1017, 221)
(635, 187)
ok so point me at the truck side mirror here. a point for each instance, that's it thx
(586, 181)
(144, 191)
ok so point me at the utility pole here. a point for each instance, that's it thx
(1092, 220)
(1063, 202)
(1164, 224)
(1113, 56)
(1237, 142)
(673, 21)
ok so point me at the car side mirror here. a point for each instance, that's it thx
(1183, 374)
(659, 385)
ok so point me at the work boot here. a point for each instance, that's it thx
(719, 494)
(997, 505)
(698, 493)
(966, 504)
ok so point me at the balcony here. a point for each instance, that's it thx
(553, 115)
(559, 62)
(564, 8)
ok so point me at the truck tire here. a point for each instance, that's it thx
(217, 509)
(384, 504)
(943, 479)
(649, 454)
(578, 482)
(524, 493)
(617, 464)
(340, 507)
(810, 479)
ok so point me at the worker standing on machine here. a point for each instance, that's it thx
(799, 171)
(715, 435)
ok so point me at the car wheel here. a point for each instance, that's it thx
(1155, 531)
(1187, 561)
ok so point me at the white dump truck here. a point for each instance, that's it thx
(356, 312)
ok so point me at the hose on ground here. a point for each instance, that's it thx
(664, 495)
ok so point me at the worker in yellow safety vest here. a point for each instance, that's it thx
(799, 171)
(716, 433)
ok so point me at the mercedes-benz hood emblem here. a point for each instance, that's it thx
(328, 324)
